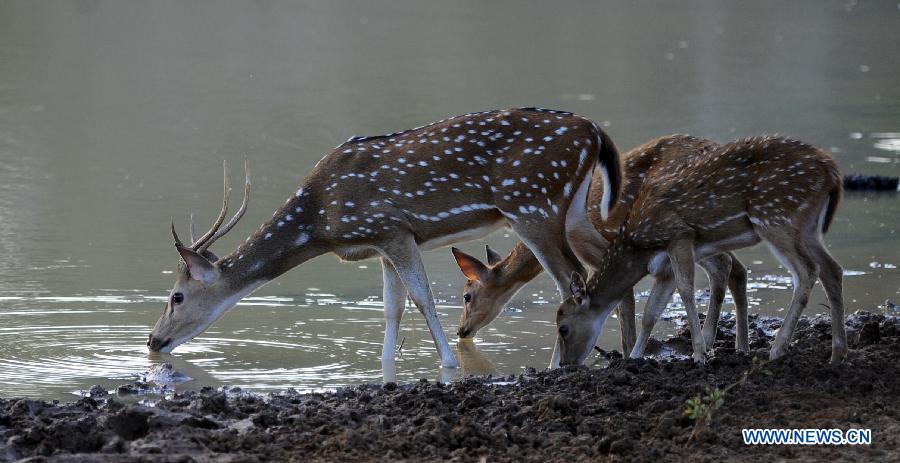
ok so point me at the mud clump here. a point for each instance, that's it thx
(630, 410)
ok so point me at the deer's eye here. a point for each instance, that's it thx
(467, 297)
(563, 330)
(177, 298)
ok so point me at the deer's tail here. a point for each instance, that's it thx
(610, 169)
(834, 197)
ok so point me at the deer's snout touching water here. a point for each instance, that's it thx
(776, 190)
(489, 287)
(392, 196)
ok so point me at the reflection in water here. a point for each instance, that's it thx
(472, 361)
(109, 122)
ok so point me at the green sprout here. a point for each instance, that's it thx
(701, 408)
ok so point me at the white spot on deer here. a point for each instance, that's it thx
(567, 189)
(268, 235)
(508, 182)
(548, 138)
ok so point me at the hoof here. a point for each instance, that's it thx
(775, 354)
(837, 357)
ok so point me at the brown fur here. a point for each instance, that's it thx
(760, 188)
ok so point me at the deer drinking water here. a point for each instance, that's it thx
(489, 287)
(770, 189)
(391, 196)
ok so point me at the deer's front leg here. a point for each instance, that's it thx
(681, 254)
(737, 283)
(403, 254)
(625, 312)
(660, 295)
(394, 303)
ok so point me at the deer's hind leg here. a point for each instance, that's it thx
(831, 275)
(794, 255)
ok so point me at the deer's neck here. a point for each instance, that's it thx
(290, 238)
(622, 268)
(520, 267)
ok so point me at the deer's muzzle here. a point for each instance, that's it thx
(156, 344)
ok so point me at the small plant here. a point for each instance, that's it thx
(701, 408)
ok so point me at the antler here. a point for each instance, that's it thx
(217, 231)
(218, 223)
(237, 215)
(178, 242)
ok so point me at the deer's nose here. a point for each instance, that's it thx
(155, 344)
(463, 333)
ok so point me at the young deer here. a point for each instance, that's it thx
(770, 189)
(391, 196)
(489, 287)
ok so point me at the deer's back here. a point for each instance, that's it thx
(518, 162)
(638, 164)
(768, 180)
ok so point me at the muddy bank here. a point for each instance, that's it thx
(630, 410)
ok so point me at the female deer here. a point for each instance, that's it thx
(780, 191)
(489, 287)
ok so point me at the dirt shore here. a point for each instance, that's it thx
(631, 410)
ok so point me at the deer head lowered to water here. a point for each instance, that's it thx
(770, 189)
(390, 196)
(490, 286)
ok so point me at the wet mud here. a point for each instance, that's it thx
(626, 410)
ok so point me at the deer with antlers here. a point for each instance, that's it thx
(490, 286)
(391, 196)
(776, 190)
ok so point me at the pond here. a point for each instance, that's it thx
(116, 116)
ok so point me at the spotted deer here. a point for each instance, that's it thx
(490, 286)
(390, 197)
(776, 190)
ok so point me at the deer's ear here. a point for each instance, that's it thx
(578, 287)
(198, 267)
(471, 267)
(492, 257)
